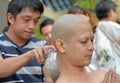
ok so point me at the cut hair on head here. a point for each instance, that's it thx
(64, 26)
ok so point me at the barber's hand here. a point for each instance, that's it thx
(41, 53)
(111, 77)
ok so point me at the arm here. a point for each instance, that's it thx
(9, 66)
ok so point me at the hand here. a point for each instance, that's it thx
(40, 53)
(111, 77)
(117, 78)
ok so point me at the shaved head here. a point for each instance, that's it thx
(64, 26)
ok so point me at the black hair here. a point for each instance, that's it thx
(76, 9)
(16, 6)
(103, 8)
(80, 10)
(45, 23)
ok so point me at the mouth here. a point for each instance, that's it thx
(29, 33)
(89, 56)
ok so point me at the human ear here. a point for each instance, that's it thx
(10, 18)
(60, 45)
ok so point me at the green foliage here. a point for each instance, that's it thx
(37, 33)
(87, 4)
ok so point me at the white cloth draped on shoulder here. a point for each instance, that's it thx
(106, 53)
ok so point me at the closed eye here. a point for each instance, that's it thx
(26, 20)
(83, 42)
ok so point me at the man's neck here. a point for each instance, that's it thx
(15, 39)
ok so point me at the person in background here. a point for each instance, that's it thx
(78, 10)
(106, 10)
(22, 55)
(50, 63)
(72, 36)
(45, 29)
(106, 54)
(51, 66)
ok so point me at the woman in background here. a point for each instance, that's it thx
(85, 13)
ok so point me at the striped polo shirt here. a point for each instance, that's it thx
(31, 72)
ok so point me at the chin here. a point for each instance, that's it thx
(88, 63)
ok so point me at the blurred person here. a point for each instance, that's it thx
(50, 67)
(106, 54)
(78, 10)
(45, 29)
(106, 11)
(22, 55)
(72, 36)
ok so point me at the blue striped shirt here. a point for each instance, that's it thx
(30, 73)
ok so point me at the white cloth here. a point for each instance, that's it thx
(106, 53)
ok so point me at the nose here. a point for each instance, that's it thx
(91, 46)
(31, 25)
(49, 35)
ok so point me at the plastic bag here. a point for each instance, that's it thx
(52, 65)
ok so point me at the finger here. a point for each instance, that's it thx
(113, 76)
(46, 51)
(51, 47)
(36, 55)
(108, 77)
(40, 52)
(105, 78)
(117, 78)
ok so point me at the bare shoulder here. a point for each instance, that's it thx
(99, 75)
(100, 71)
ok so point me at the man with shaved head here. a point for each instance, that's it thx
(72, 36)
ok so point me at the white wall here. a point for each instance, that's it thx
(3, 10)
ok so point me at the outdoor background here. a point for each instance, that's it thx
(53, 9)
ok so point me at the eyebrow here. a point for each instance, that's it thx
(27, 16)
(86, 37)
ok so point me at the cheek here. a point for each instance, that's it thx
(46, 38)
(21, 25)
(78, 52)
(21, 28)
(76, 49)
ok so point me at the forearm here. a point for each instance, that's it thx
(11, 65)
